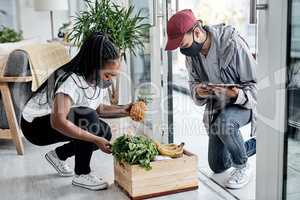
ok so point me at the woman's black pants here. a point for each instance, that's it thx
(40, 132)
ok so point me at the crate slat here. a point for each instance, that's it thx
(166, 177)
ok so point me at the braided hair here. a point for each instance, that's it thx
(96, 51)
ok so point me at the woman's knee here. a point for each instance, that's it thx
(101, 129)
(105, 130)
(83, 116)
(88, 119)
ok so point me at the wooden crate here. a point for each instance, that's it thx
(166, 177)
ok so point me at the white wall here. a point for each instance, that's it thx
(37, 24)
(7, 18)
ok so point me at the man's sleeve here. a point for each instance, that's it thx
(245, 66)
(193, 81)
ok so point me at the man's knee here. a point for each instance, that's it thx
(224, 125)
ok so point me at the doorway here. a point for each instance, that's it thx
(274, 51)
(187, 117)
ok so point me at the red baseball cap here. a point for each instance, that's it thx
(179, 24)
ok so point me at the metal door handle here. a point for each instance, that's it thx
(154, 7)
(262, 6)
(253, 10)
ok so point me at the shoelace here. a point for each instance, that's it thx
(63, 165)
(237, 175)
(91, 178)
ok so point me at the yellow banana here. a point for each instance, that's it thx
(171, 150)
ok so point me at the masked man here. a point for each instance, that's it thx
(217, 56)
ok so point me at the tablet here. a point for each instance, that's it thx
(223, 85)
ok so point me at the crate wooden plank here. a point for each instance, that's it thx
(172, 178)
(169, 183)
(159, 194)
(165, 168)
(123, 181)
(166, 188)
(166, 177)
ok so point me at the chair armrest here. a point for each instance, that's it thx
(15, 79)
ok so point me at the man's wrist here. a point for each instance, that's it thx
(240, 99)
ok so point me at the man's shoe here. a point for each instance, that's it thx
(239, 177)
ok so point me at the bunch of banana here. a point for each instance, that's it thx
(137, 111)
(171, 150)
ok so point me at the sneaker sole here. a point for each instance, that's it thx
(237, 187)
(54, 166)
(93, 188)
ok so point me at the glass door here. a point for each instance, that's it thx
(147, 71)
(292, 138)
(187, 117)
(271, 73)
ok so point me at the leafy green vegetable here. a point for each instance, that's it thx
(9, 35)
(135, 150)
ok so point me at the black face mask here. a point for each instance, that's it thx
(105, 84)
(194, 49)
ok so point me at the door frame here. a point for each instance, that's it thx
(158, 129)
(271, 71)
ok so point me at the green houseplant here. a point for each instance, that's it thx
(127, 28)
(9, 35)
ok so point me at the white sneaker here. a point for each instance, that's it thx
(90, 182)
(60, 166)
(239, 178)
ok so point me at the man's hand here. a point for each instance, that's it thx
(204, 91)
(226, 92)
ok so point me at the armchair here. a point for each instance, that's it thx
(15, 89)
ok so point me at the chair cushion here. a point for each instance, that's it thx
(17, 65)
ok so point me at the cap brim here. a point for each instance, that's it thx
(173, 44)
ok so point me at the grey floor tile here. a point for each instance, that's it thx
(30, 177)
(189, 128)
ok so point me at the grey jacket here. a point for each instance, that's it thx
(233, 63)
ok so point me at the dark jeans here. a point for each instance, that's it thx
(226, 145)
(40, 132)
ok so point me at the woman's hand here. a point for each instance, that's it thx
(127, 108)
(137, 111)
(103, 145)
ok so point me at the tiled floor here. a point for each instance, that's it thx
(30, 177)
(188, 128)
(293, 176)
